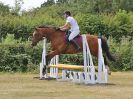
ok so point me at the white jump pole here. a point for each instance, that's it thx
(89, 69)
(54, 61)
(43, 62)
(54, 71)
(102, 71)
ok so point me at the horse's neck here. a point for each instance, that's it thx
(53, 35)
(47, 33)
(56, 38)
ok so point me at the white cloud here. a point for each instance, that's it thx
(8, 2)
(28, 4)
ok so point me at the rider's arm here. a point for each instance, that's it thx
(65, 27)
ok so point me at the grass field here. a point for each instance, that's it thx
(23, 86)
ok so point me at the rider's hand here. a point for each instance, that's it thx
(62, 29)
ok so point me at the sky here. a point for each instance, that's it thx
(28, 4)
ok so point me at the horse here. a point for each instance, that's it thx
(60, 46)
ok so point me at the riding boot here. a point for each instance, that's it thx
(75, 44)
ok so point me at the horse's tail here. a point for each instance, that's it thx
(105, 48)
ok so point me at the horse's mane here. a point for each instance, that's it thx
(53, 27)
(45, 26)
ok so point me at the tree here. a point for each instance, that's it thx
(62, 1)
(18, 4)
(122, 4)
(4, 9)
(48, 3)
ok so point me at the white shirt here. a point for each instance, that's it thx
(73, 23)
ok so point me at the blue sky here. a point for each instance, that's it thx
(28, 4)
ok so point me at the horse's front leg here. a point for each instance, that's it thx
(49, 56)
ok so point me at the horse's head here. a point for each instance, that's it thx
(37, 36)
(43, 31)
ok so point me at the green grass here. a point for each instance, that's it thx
(24, 86)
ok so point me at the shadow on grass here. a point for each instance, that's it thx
(103, 84)
(53, 79)
(49, 78)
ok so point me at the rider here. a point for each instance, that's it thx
(71, 25)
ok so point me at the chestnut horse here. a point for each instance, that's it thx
(59, 45)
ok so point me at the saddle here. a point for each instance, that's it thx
(75, 42)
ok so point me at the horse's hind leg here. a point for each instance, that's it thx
(106, 65)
